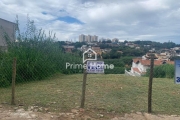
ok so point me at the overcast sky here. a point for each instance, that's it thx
(156, 20)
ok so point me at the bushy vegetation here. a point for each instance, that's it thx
(38, 56)
(119, 62)
(163, 71)
(119, 65)
(157, 45)
(124, 51)
(116, 70)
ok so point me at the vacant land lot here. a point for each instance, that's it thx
(106, 93)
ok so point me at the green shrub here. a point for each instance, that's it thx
(162, 71)
(116, 70)
(38, 56)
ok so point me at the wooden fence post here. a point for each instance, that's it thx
(13, 81)
(150, 84)
(83, 88)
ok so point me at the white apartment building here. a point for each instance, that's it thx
(82, 38)
(88, 38)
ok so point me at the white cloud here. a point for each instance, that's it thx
(154, 5)
(140, 19)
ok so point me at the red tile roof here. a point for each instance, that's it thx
(136, 69)
(170, 62)
(135, 60)
(96, 48)
(68, 47)
(148, 62)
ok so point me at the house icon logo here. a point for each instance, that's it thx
(89, 54)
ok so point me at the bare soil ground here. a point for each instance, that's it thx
(18, 113)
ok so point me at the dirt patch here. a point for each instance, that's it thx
(18, 113)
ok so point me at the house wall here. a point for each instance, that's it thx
(8, 28)
(142, 68)
(139, 66)
(134, 65)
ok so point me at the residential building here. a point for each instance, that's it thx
(84, 48)
(94, 38)
(137, 48)
(92, 44)
(176, 48)
(140, 66)
(7, 30)
(152, 50)
(97, 50)
(148, 56)
(120, 51)
(147, 45)
(88, 38)
(82, 38)
(68, 48)
(107, 50)
(163, 54)
(131, 45)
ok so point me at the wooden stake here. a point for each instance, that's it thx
(150, 84)
(83, 88)
(13, 81)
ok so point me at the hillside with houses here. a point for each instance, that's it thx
(138, 51)
(130, 57)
